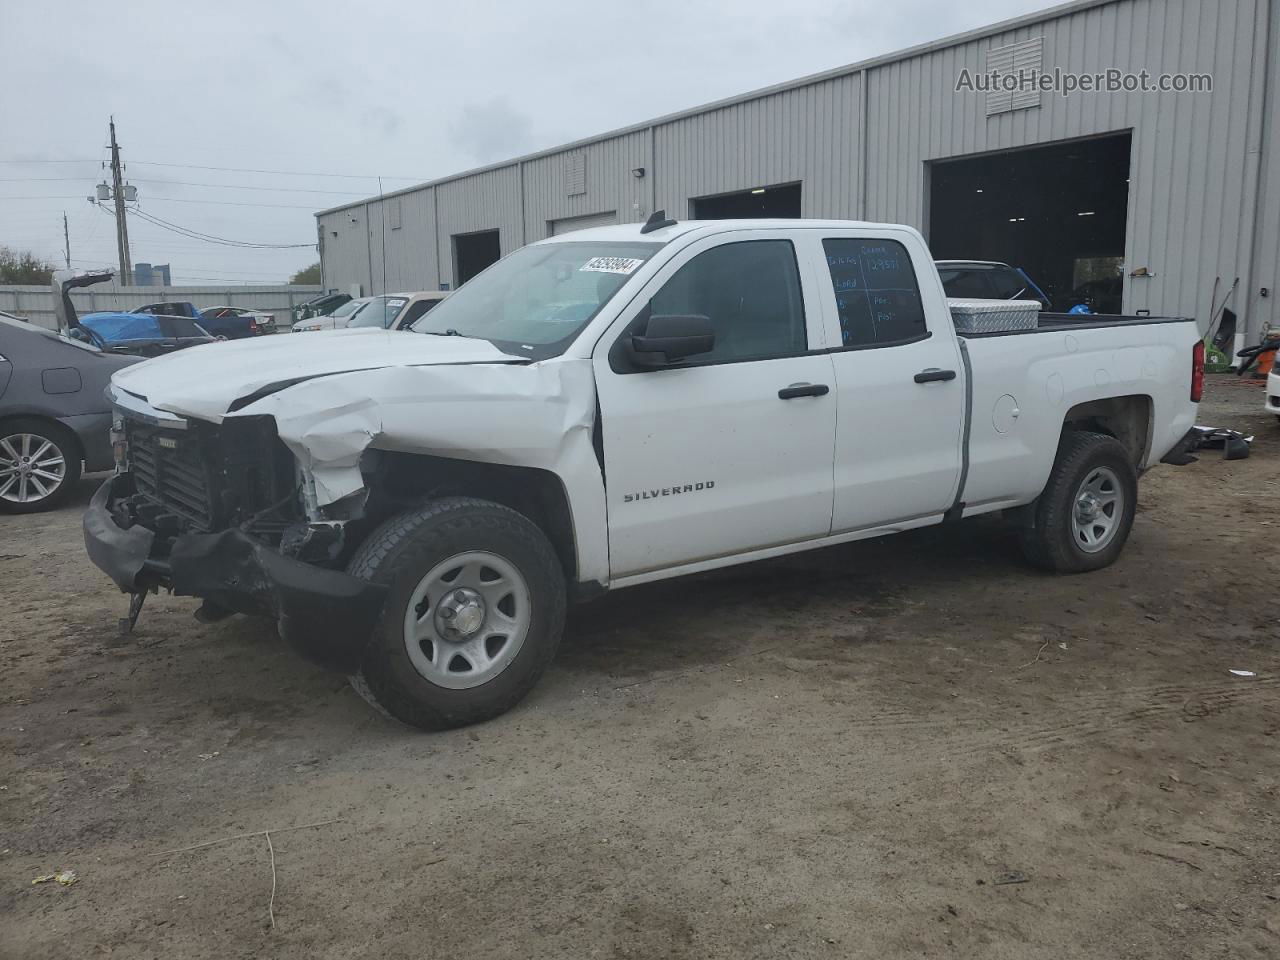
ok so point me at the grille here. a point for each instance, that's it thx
(168, 467)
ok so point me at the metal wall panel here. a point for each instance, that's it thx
(610, 185)
(809, 134)
(484, 201)
(1204, 197)
(345, 249)
(1266, 273)
(409, 260)
(1189, 158)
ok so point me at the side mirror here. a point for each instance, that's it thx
(670, 338)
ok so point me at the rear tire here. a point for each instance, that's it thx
(1082, 519)
(474, 613)
(39, 464)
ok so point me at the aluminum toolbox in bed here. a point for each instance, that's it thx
(993, 316)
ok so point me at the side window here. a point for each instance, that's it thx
(965, 283)
(416, 311)
(877, 295)
(751, 293)
(1008, 284)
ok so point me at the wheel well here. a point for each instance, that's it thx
(49, 423)
(403, 478)
(1128, 419)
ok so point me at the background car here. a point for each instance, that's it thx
(988, 280)
(395, 311)
(319, 306)
(236, 323)
(139, 334)
(54, 417)
(334, 321)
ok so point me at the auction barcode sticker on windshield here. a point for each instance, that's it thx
(623, 265)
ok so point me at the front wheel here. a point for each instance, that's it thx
(1082, 519)
(39, 465)
(474, 612)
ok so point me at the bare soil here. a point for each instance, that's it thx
(842, 754)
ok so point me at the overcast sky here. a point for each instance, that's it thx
(405, 90)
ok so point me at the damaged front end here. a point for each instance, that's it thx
(220, 512)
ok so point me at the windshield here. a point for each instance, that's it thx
(379, 312)
(348, 308)
(536, 300)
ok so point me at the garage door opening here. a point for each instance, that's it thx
(1058, 212)
(472, 252)
(783, 201)
(569, 224)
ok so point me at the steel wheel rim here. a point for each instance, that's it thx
(467, 619)
(32, 468)
(1096, 510)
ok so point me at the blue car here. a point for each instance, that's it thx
(140, 334)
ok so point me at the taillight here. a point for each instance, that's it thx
(1197, 371)
(253, 325)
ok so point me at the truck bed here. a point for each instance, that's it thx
(1023, 389)
(1080, 321)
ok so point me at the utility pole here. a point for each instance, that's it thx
(66, 238)
(122, 226)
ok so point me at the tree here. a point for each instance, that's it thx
(309, 276)
(24, 267)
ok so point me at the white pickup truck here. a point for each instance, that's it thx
(609, 408)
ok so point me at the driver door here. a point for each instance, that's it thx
(729, 451)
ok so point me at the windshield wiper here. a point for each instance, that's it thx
(448, 332)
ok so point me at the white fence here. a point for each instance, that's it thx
(36, 302)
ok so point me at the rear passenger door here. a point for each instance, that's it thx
(899, 379)
(730, 451)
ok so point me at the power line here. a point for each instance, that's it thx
(286, 173)
(232, 186)
(211, 238)
(32, 162)
(234, 203)
(194, 166)
(216, 203)
(208, 237)
(187, 183)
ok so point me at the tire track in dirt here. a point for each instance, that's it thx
(1087, 717)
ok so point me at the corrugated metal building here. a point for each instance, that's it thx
(1165, 201)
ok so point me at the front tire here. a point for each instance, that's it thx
(1082, 519)
(474, 613)
(39, 465)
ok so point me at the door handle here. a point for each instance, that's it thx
(933, 374)
(803, 390)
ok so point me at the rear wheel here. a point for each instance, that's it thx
(1082, 519)
(474, 612)
(39, 465)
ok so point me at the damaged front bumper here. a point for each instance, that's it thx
(326, 615)
(1233, 444)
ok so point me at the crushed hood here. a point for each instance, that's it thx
(206, 381)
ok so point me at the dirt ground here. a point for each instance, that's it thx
(843, 754)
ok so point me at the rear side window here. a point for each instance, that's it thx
(877, 295)
(751, 293)
(1008, 284)
(965, 283)
(416, 311)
